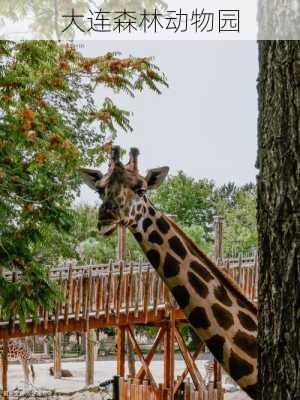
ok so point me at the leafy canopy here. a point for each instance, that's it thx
(49, 126)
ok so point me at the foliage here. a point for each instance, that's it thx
(49, 126)
(90, 245)
(238, 206)
(196, 202)
(190, 200)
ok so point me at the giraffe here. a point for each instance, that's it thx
(17, 351)
(214, 305)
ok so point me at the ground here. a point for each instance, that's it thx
(103, 370)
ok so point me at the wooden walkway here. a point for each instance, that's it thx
(116, 294)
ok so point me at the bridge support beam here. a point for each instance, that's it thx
(121, 351)
(169, 361)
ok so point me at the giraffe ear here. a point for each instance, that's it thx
(90, 177)
(156, 176)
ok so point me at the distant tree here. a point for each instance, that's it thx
(238, 206)
(189, 199)
(49, 126)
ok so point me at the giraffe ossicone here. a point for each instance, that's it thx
(214, 305)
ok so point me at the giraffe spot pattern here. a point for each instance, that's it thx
(247, 343)
(171, 266)
(201, 271)
(146, 223)
(139, 207)
(222, 295)
(155, 238)
(252, 391)
(137, 217)
(181, 295)
(177, 246)
(216, 346)
(154, 258)
(163, 225)
(247, 322)
(244, 304)
(198, 318)
(138, 236)
(239, 367)
(223, 317)
(198, 285)
(151, 211)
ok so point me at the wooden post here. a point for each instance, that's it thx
(89, 357)
(219, 239)
(89, 337)
(57, 342)
(130, 359)
(4, 363)
(121, 351)
(169, 361)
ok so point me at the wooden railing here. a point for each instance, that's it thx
(244, 271)
(139, 390)
(114, 293)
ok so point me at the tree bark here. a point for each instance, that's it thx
(279, 220)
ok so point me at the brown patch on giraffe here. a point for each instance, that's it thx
(177, 246)
(244, 304)
(199, 319)
(181, 295)
(201, 271)
(247, 322)
(155, 238)
(222, 295)
(151, 211)
(198, 285)
(154, 258)
(171, 266)
(247, 343)
(238, 367)
(224, 279)
(216, 347)
(223, 317)
(163, 225)
(138, 236)
(146, 223)
(138, 217)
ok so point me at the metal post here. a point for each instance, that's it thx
(116, 388)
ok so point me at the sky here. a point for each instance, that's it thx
(205, 123)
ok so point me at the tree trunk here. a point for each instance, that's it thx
(279, 220)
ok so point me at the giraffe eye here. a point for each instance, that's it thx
(140, 192)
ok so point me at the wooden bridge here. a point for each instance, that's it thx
(115, 294)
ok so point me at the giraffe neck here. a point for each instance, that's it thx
(215, 307)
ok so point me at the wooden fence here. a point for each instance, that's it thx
(134, 389)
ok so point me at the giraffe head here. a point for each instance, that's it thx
(121, 189)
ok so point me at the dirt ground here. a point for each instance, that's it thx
(104, 370)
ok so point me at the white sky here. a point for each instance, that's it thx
(205, 123)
